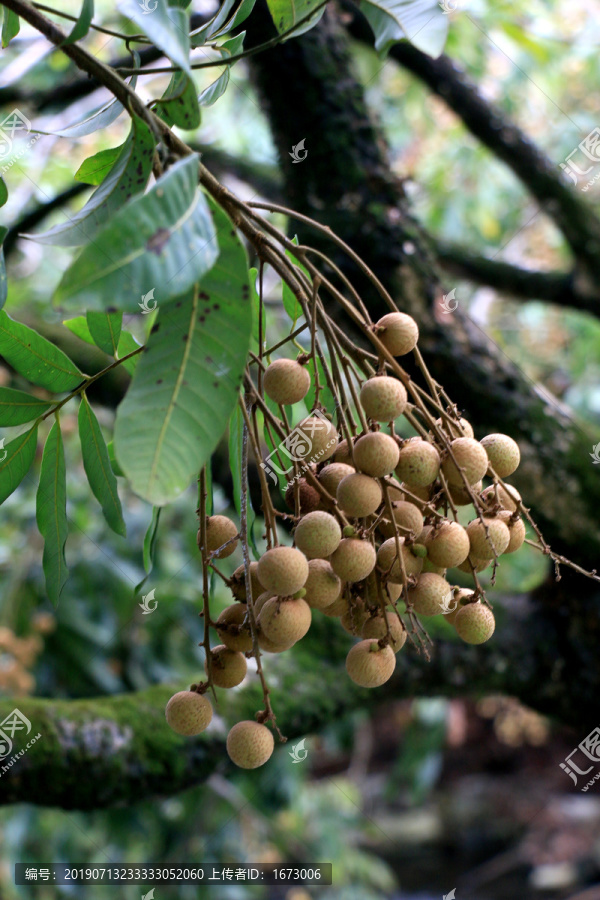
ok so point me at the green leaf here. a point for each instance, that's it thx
(286, 13)
(290, 303)
(113, 460)
(149, 548)
(10, 26)
(187, 381)
(240, 15)
(51, 513)
(421, 22)
(128, 177)
(236, 433)
(179, 103)
(215, 90)
(256, 331)
(150, 243)
(3, 277)
(127, 344)
(166, 26)
(94, 169)
(3, 191)
(14, 467)
(82, 25)
(79, 327)
(36, 358)
(105, 329)
(97, 467)
(201, 35)
(17, 407)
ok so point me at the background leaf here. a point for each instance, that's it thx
(17, 462)
(18, 407)
(162, 240)
(51, 513)
(82, 25)
(3, 278)
(10, 26)
(97, 467)
(286, 13)
(127, 344)
(421, 22)
(3, 191)
(179, 104)
(105, 329)
(94, 169)
(36, 358)
(166, 26)
(187, 381)
(215, 90)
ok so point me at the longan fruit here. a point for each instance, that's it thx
(286, 382)
(359, 495)
(448, 545)
(317, 535)
(239, 639)
(475, 623)
(487, 545)
(429, 594)
(285, 621)
(331, 475)
(228, 667)
(238, 582)
(188, 713)
(322, 436)
(503, 453)
(309, 497)
(406, 516)
(250, 745)
(470, 457)
(283, 570)
(418, 463)
(376, 454)
(219, 530)
(400, 333)
(353, 560)
(383, 398)
(387, 560)
(375, 627)
(516, 529)
(507, 495)
(370, 665)
(323, 587)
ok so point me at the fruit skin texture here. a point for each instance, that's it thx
(238, 579)
(235, 615)
(386, 558)
(375, 627)
(383, 398)
(331, 475)
(286, 381)
(376, 454)
(359, 495)
(250, 745)
(285, 621)
(484, 547)
(475, 623)
(418, 463)
(188, 713)
(470, 456)
(506, 495)
(310, 498)
(323, 587)
(406, 515)
(369, 665)
(322, 437)
(219, 529)
(448, 546)
(342, 454)
(460, 495)
(317, 535)
(479, 564)
(503, 453)
(516, 530)
(229, 667)
(283, 570)
(401, 333)
(429, 594)
(353, 560)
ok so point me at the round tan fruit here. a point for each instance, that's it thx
(506, 495)
(503, 453)
(387, 560)
(283, 570)
(219, 530)
(480, 565)
(460, 598)
(250, 745)
(406, 517)
(470, 457)
(320, 442)
(309, 497)
(370, 665)
(238, 636)
(448, 545)
(493, 543)
(376, 454)
(286, 381)
(353, 560)
(375, 627)
(342, 454)
(285, 621)
(370, 591)
(516, 529)
(431, 594)
(188, 712)
(359, 495)
(331, 475)
(260, 602)
(238, 582)
(416, 493)
(270, 646)
(337, 608)
(383, 398)
(317, 535)
(400, 333)
(475, 623)
(322, 586)
(229, 667)
(419, 463)
(462, 427)
(460, 495)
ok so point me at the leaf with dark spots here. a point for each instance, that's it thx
(155, 328)
(158, 240)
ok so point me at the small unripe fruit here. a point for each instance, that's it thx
(285, 621)
(283, 570)
(359, 495)
(507, 496)
(400, 335)
(250, 745)
(342, 454)
(188, 713)
(430, 594)
(239, 638)
(406, 517)
(516, 529)
(448, 545)
(475, 623)
(370, 665)
(331, 475)
(238, 582)
(383, 398)
(219, 530)
(503, 453)
(353, 560)
(375, 627)
(228, 667)
(323, 586)
(286, 381)
(320, 442)
(309, 497)
(317, 535)
(418, 463)
(470, 457)
(480, 565)
(376, 454)
(461, 427)
(387, 560)
(495, 542)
